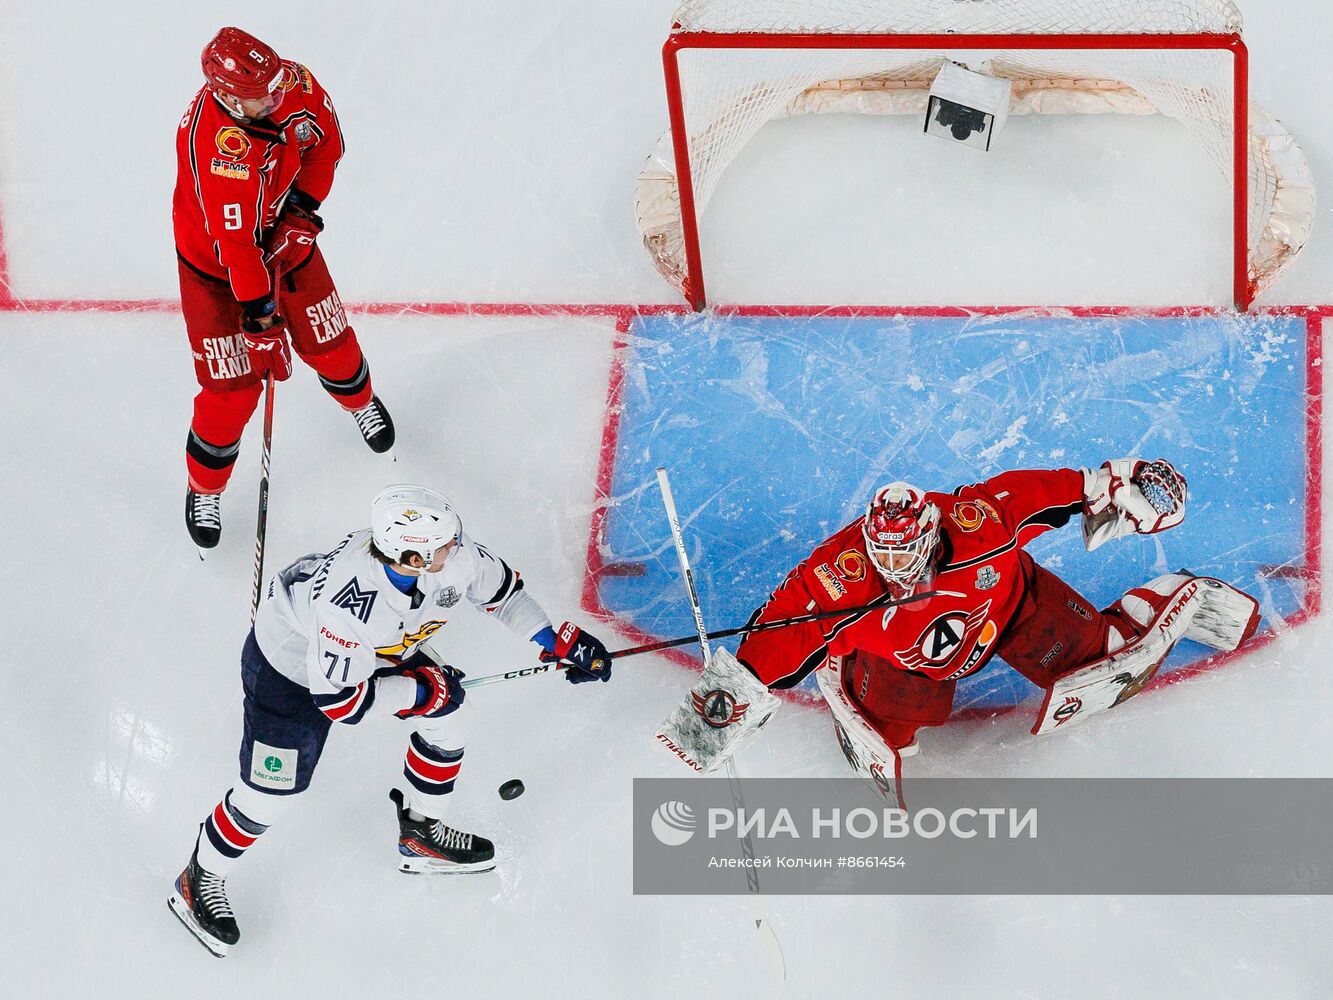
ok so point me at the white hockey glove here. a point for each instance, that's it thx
(1128, 496)
(723, 711)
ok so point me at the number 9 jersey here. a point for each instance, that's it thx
(233, 174)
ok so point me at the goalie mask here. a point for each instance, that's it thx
(407, 519)
(902, 532)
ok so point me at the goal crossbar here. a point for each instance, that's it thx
(678, 41)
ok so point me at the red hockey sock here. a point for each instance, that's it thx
(215, 436)
(344, 373)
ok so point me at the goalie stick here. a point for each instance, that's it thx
(761, 924)
(660, 644)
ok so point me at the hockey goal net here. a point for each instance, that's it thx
(734, 65)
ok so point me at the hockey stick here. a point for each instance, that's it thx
(725, 633)
(761, 924)
(261, 528)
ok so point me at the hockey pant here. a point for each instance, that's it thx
(281, 746)
(229, 391)
(1054, 631)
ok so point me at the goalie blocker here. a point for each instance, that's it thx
(723, 711)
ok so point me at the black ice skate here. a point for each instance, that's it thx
(376, 425)
(203, 518)
(200, 901)
(429, 846)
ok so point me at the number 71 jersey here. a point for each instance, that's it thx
(328, 622)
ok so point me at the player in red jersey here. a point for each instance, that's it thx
(256, 153)
(969, 591)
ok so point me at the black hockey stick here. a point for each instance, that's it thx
(686, 640)
(261, 528)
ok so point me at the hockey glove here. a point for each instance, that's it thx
(587, 657)
(293, 238)
(1130, 496)
(439, 691)
(267, 345)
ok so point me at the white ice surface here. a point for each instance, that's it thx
(492, 152)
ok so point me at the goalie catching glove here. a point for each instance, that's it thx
(1129, 496)
(723, 711)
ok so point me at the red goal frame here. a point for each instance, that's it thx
(678, 41)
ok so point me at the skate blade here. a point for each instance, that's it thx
(438, 866)
(216, 948)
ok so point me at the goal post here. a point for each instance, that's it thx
(733, 65)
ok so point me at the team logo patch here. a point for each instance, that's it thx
(287, 80)
(1068, 710)
(359, 602)
(302, 131)
(410, 639)
(944, 637)
(232, 142)
(719, 708)
(987, 578)
(272, 767)
(229, 170)
(447, 597)
(851, 565)
(825, 575)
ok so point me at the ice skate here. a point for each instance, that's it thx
(427, 845)
(376, 425)
(200, 903)
(203, 518)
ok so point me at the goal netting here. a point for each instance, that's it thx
(734, 65)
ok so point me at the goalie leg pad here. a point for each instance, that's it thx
(1225, 618)
(1166, 610)
(866, 751)
(724, 710)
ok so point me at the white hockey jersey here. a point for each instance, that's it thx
(329, 622)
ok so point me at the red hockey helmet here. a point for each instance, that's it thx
(235, 62)
(902, 532)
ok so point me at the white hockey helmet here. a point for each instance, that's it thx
(902, 532)
(406, 518)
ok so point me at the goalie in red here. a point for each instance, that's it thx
(255, 156)
(935, 585)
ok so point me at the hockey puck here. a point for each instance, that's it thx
(511, 789)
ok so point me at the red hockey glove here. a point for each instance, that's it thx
(293, 238)
(439, 691)
(268, 348)
(588, 658)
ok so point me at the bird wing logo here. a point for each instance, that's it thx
(718, 708)
(943, 638)
(410, 639)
